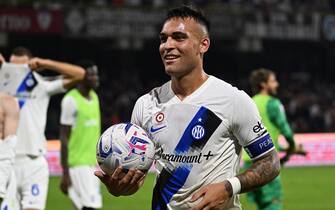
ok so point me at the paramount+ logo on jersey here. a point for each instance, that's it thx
(186, 158)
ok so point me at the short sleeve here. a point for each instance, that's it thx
(137, 114)
(53, 87)
(68, 111)
(247, 127)
(142, 111)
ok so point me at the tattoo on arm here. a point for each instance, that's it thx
(261, 172)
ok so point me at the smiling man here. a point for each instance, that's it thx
(204, 123)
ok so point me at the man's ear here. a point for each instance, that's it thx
(204, 45)
(263, 85)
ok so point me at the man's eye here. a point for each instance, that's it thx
(179, 37)
(163, 39)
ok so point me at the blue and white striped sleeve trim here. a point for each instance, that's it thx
(259, 146)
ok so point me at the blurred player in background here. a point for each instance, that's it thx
(264, 85)
(79, 132)
(201, 119)
(33, 93)
(9, 117)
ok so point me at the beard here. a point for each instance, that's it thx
(273, 92)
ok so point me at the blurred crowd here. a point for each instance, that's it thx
(282, 5)
(309, 104)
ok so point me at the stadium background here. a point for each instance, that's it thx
(295, 38)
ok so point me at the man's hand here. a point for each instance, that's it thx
(37, 64)
(65, 183)
(213, 196)
(2, 59)
(122, 183)
(299, 150)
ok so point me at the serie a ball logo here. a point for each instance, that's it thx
(127, 145)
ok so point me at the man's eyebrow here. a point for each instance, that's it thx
(178, 33)
(173, 33)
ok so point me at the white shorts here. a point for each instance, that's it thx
(6, 162)
(32, 178)
(6, 168)
(85, 188)
(9, 202)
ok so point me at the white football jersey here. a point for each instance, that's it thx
(33, 93)
(199, 139)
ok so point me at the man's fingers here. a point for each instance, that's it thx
(128, 177)
(137, 177)
(103, 177)
(99, 174)
(2, 59)
(300, 150)
(198, 194)
(200, 206)
(117, 173)
(121, 181)
(63, 189)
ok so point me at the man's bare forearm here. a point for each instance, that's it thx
(64, 137)
(260, 173)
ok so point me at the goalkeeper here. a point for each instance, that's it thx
(264, 85)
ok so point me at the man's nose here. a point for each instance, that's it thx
(170, 43)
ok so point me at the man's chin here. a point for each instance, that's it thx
(169, 71)
(273, 93)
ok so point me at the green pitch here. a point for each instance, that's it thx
(308, 188)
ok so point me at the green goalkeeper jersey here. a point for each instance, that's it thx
(86, 131)
(273, 118)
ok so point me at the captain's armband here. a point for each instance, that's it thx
(259, 146)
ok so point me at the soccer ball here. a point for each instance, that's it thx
(125, 144)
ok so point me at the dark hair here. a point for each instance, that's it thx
(188, 12)
(257, 77)
(85, 63)
(22, 51)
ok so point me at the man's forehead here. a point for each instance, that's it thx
(19, 59)
(179, 24)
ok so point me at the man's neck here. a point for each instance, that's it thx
(264, 93)
(186, 85)
(84, 91)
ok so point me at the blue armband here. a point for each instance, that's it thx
(259, 146)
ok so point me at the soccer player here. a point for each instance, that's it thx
(200, 124)
(33, 93)
(264, 85)
(9, 116)
(79, 132)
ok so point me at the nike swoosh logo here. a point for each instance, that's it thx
(152, 129)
